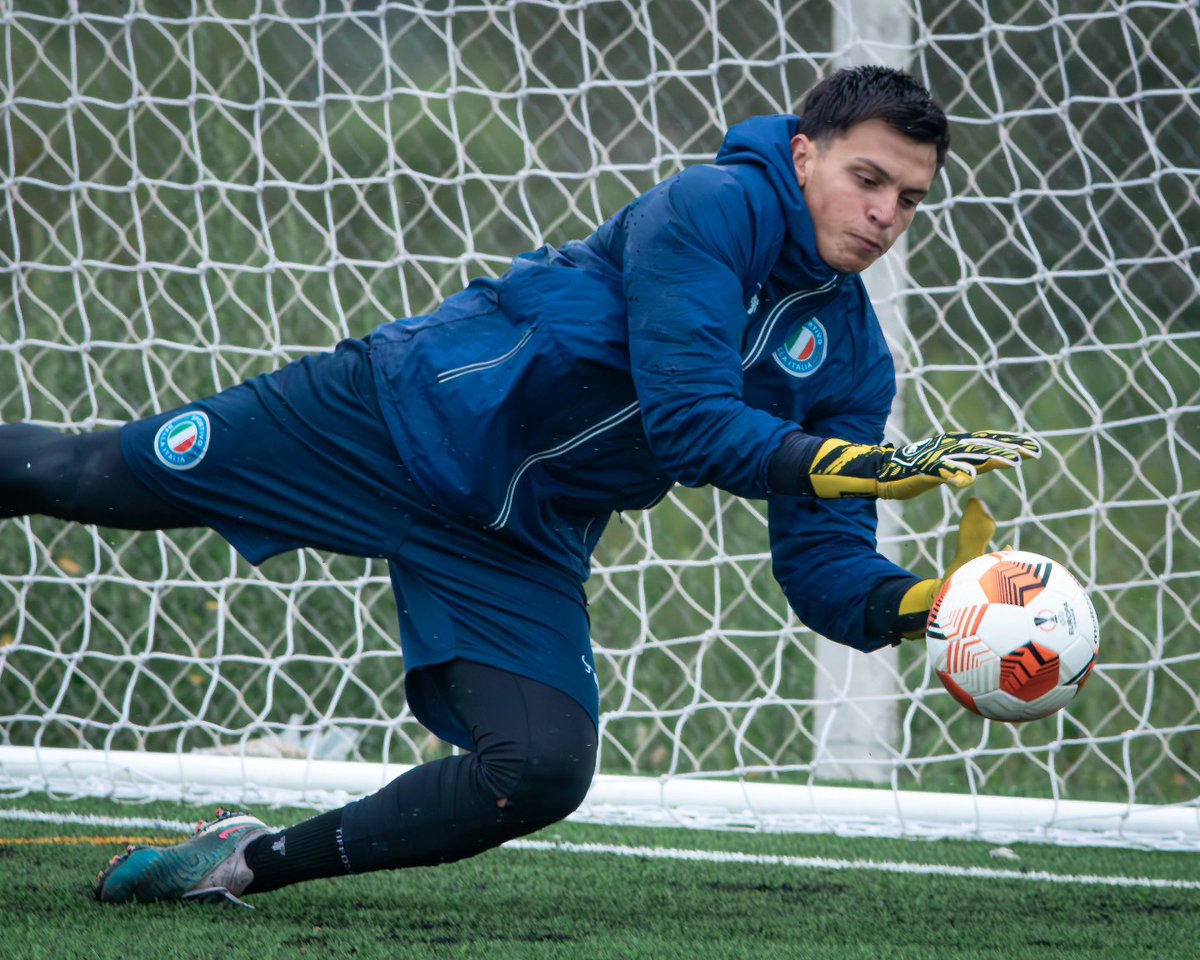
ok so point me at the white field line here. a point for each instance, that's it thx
(825, 863)
(670, 853)
(88, 820)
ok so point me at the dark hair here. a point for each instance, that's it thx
(857, 94)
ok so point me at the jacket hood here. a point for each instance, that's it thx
(766, 143)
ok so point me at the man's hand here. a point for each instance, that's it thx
(975, 532)
(842, 469)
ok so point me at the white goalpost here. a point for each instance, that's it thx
(194, 193)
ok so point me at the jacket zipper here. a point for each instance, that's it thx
(768, 327)
(478, 367)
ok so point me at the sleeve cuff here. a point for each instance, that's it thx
(788, 471)
(882, 618)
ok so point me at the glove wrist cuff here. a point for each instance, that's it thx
(844, 469)
(788, 471)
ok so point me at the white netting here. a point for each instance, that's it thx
(189, 198)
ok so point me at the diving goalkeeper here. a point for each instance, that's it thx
(714, 331)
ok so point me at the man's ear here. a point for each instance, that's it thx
(803, 150)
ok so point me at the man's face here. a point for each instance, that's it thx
(862, 190)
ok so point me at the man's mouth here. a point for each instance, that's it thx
(869, 247)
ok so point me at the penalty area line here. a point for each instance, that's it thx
(670, 853)
(826, 863)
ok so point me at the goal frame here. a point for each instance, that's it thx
(159, 235)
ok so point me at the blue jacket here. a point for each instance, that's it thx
(679, 343)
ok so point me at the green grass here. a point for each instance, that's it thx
(522, 903)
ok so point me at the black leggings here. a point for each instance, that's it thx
(532, 763)
(80, 477)
(535, 750)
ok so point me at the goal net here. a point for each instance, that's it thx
(192, 194)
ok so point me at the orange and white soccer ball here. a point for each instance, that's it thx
(1013, 636)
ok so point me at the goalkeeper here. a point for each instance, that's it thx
(714, 331)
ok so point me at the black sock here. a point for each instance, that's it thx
(307, 851)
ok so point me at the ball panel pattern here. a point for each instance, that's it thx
(1029, 672)
(1014, 582)
(957, 692)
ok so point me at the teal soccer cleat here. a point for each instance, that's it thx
(207, 866)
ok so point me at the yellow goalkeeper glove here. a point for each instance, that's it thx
(842, 469)
(975, 532)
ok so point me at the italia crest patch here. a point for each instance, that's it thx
(804, 350)
(182, 441)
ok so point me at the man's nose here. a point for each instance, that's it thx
(883, 213)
